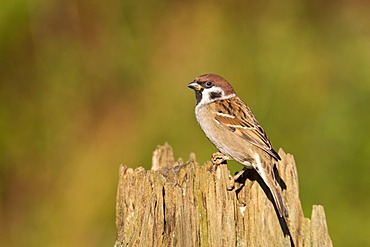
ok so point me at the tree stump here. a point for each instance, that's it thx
(187, 204)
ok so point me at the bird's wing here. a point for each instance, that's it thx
(235, 115)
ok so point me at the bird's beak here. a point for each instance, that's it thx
(195, 86)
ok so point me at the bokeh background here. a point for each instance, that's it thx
(88, 85)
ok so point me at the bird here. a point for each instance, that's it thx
(231, 126)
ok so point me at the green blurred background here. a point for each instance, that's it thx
(88, 85)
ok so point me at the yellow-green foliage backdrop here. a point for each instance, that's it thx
(89, 85)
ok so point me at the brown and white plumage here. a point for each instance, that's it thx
(231, 126)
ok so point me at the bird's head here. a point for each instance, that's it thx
(211, 87)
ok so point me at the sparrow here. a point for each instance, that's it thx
(231, 126)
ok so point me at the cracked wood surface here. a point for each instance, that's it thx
(180, 203)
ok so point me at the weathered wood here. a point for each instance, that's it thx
(187, 204)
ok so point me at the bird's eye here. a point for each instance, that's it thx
(209, 84)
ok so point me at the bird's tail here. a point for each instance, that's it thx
(278, 198)
(266, 171)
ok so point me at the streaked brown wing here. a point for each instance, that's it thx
(239, 119)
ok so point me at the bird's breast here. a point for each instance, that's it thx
(222, 137)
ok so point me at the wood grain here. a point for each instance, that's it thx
(188, 204)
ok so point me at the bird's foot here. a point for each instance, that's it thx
(231, 183)
(219, 158)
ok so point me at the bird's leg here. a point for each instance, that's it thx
(231, 183)
(219, 158)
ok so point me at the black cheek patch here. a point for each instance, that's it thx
(232, 129)
(215, 95)
(198, 96)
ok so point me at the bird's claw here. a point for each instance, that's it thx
(232, 181)
(218, 158)
(230, 184)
